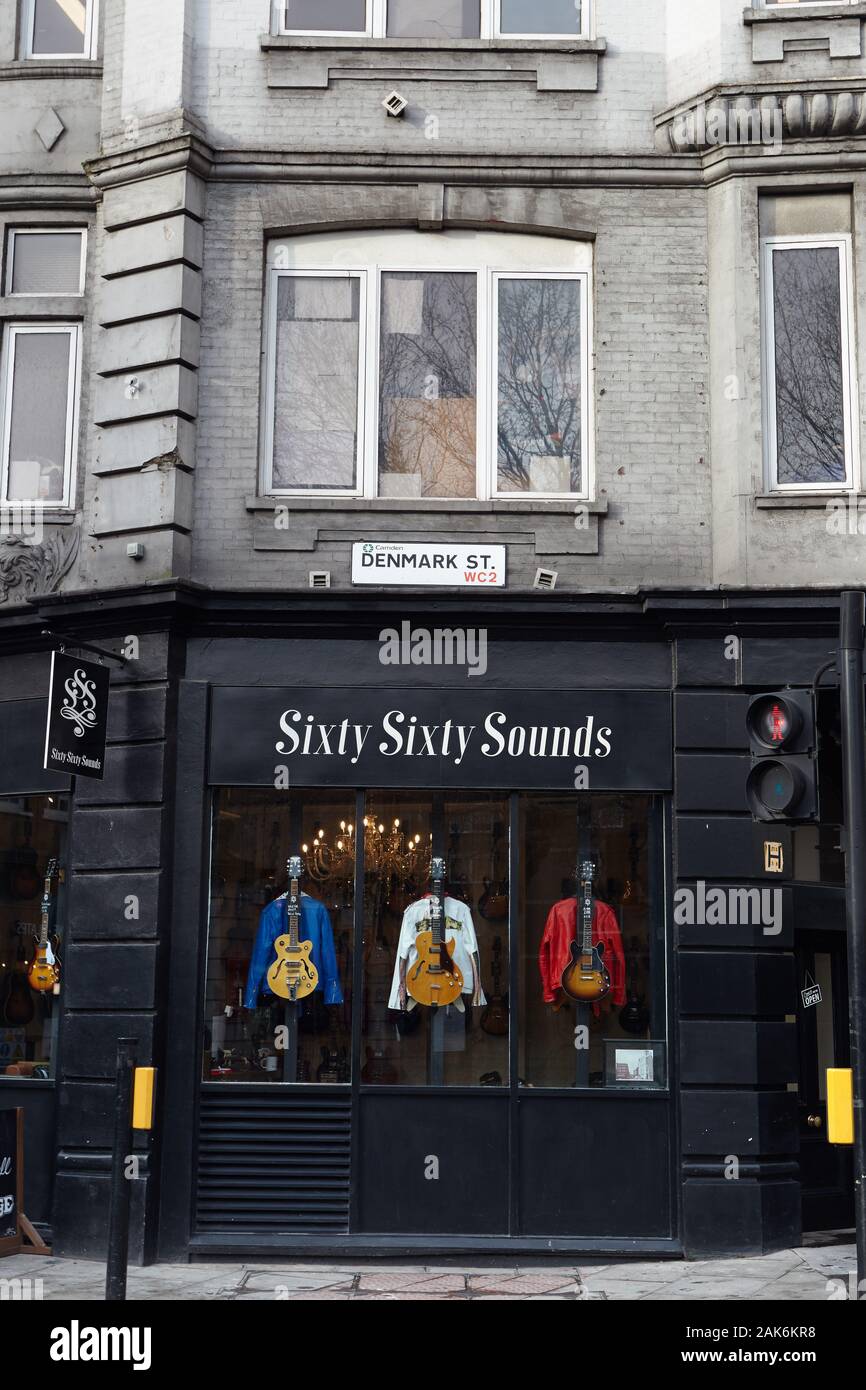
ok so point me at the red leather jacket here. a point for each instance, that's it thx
(559, 932)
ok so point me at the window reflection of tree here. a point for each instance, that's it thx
(427, 420)
(808, 357)
(539, 378)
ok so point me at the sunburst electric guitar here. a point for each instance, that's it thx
(585, 977)
(293, 975)
(43, 974)
(434, 979)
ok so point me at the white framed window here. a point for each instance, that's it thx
(39, 386)
(811, 416)
(417, 365)
(804, 4)
(444, 19)
(46, 261)
(59, 28)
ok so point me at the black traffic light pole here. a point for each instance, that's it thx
(851, 638)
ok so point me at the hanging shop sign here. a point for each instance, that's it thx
(452, 566)
(77, 717)
(811, 995)
(581, 740)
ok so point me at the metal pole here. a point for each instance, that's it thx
(118, 1220)
(851, 638)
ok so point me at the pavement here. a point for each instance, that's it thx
(817, 1271)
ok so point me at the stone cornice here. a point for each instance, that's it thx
(129, 165)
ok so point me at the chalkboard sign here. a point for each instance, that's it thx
(11, 1179)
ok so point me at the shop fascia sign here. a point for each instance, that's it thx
(383, 737)
(428, 565)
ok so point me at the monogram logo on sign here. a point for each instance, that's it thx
(80, 704)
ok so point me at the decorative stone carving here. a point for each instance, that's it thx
(28, 570)
(763, 118)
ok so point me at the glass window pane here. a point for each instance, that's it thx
(320, 16)
(407, 1042)
(538, 423)
(32, 833)
(427, 374)
(40, 400)
(623, 1041)
(810, 414)
(434, 19)
(46, 263)
(540, 17)
(60, 26)
(316, 388)
(250, 1032)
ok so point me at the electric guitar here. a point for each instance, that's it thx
(585, 977)
(43, 974)
(293, 975)
(434, 979)
(494, 1019)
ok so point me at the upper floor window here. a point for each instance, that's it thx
(441, 19)
(46, 261)
(59, 28)
(428, 365)
(810, 388)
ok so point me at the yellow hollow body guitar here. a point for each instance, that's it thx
(43, 974)
(293, 975)
(433, 979)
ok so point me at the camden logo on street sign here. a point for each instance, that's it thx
(77, 717)
(428, 564)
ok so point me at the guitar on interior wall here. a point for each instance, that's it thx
(585, 977)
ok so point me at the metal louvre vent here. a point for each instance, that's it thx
(273, 1162)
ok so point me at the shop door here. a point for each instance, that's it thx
(826, 1169)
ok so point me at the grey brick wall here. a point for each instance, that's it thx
(268, 137)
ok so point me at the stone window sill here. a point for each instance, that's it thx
(804, 501)
(315, 61)
(33, 69)
(778, 14)
(295, 42)
(559, 506)
(835, 31)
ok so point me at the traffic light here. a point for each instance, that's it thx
(783, 781)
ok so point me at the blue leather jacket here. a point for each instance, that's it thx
(315, 926)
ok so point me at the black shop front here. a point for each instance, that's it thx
(516, 1116)
(678, 1112)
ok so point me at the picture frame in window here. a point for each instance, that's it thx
(90, 37)
(44, 230)
(841, 244)
(13, 334)
(635, 1064)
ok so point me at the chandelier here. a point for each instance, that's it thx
(390, 851)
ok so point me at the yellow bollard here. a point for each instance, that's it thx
(142, 1097)
(840, 1105)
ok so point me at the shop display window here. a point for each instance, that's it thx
(251, 1033)
(32, 842)
(444, 881)
(614, 1035)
